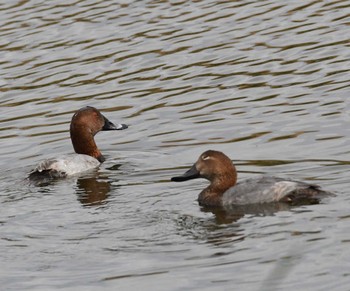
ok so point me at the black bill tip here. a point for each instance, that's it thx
(178, 179)
(111, 126)
(121, 126)
(192, 173)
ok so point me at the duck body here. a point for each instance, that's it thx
(85, 123)
(269, 189)
(64, 166)
(224, 191)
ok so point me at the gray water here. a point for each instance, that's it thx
(266, 82)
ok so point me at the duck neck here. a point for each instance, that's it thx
(212, 195)
(84, 143)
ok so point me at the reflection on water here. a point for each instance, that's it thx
(93, 191)
(92, 188)
(233, 213)
(266, 82)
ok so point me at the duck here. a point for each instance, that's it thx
(85, 124)
(224, 190)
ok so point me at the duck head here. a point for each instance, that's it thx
(86, 122)
(211, 165)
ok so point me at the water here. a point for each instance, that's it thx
(266, 82)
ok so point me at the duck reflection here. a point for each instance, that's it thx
(92, 191)
(233, 213)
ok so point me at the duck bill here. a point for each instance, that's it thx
(111, 126)
(192, 173)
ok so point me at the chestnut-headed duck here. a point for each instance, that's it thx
(85, 123)
(216, 167)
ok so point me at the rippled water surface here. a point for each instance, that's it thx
(266, 82)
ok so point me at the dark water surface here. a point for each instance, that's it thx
(267, 82)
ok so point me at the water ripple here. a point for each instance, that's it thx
(264, 81)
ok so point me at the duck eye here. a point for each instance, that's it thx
(204, 158)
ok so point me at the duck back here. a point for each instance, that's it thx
(267, 189)
(64, 166)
